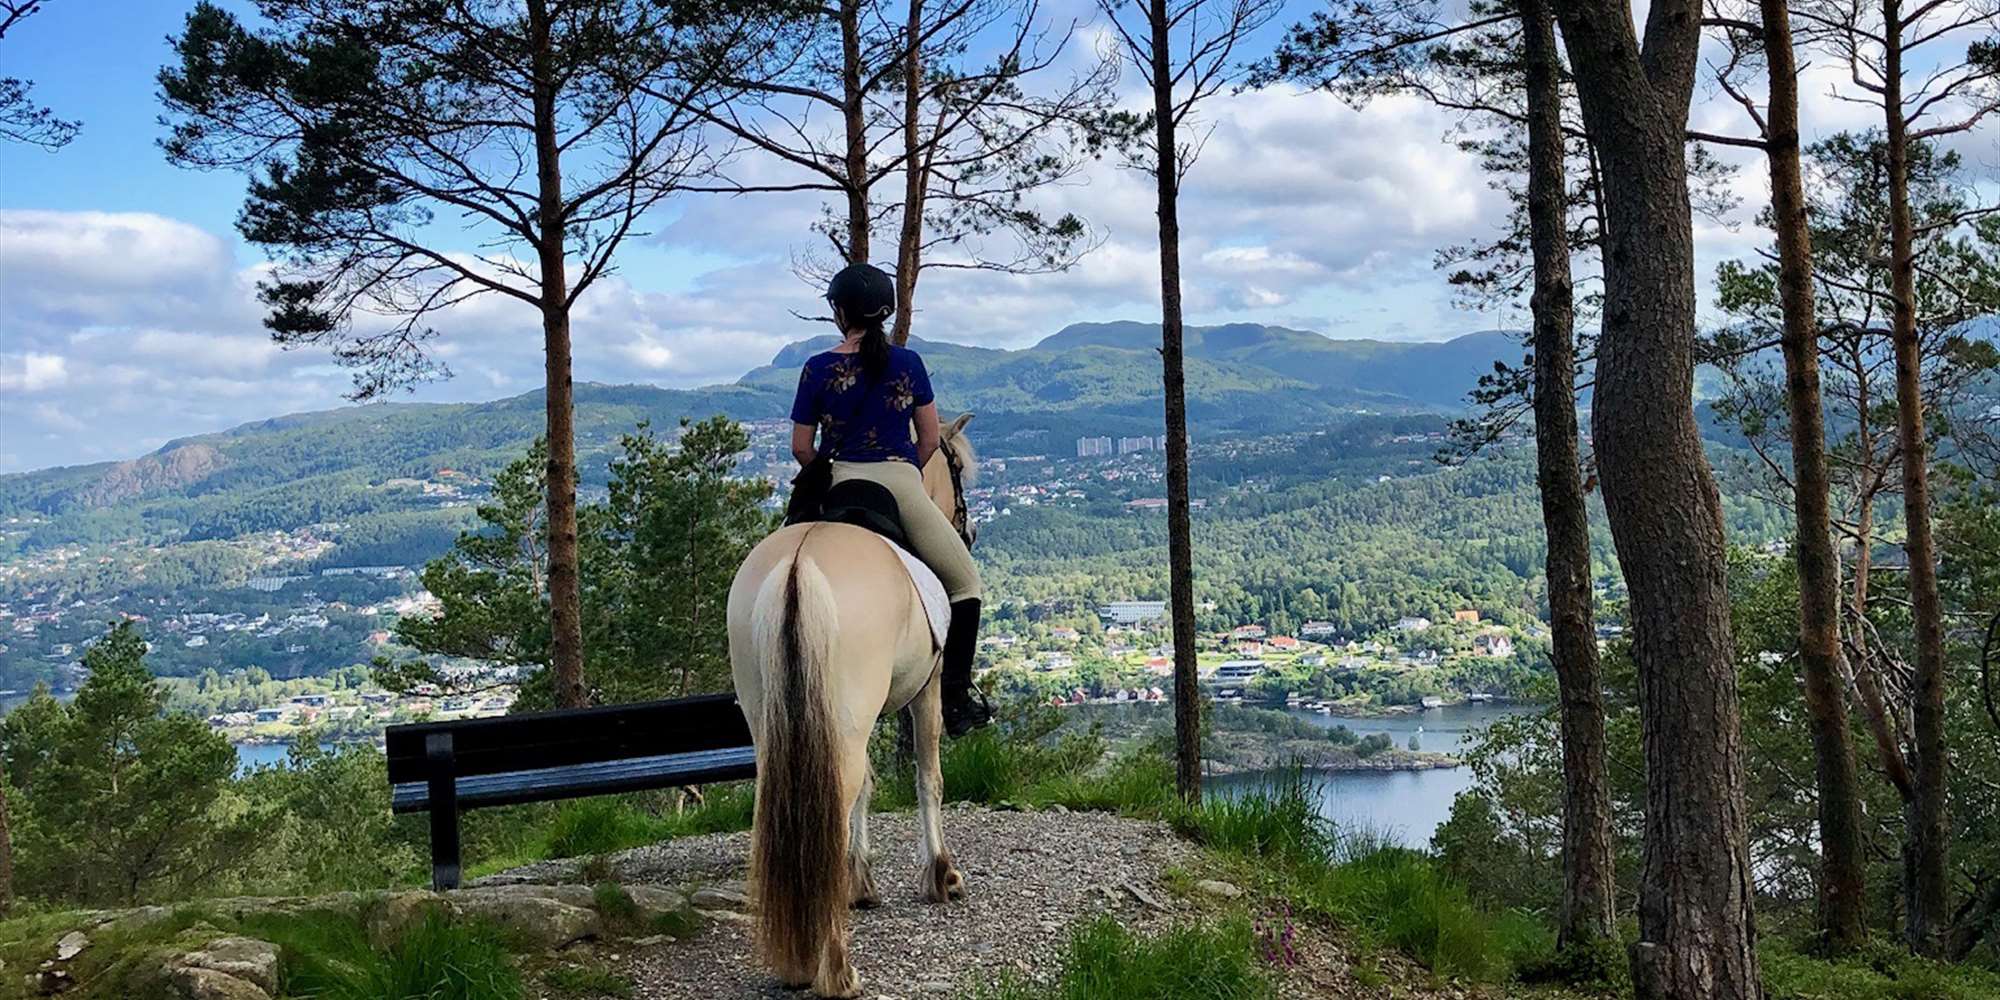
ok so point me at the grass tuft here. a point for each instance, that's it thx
(588, 980)
(327, 957)
(1140, 784)
(1279, 821)
(1105, 961)
(615, 906)
(586, 827)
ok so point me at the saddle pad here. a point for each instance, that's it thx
(937, 604)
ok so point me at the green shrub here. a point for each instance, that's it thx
(1881, 972)
(1105, 961)
(1477, 849)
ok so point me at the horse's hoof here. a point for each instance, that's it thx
(945, 883)
(867, 902)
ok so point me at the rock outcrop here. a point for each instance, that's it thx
(155, 957)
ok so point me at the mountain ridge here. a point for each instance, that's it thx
(1087, 379)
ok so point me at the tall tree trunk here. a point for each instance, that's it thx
(1882, 725)
(1865, 481)
(1589, 907)
(909, 243)
(1697, 931)
(1180, 546)
(1843, 882)
(565, 589)
(1928, 824)
(853, 117)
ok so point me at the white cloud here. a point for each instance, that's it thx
(32, 372)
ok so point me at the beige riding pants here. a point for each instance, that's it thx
(936, 542)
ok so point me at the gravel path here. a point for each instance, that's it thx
(1029, 876)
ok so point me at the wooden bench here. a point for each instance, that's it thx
(445, 768)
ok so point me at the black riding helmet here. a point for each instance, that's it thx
(862, 292)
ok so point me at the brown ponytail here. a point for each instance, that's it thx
(874, 348)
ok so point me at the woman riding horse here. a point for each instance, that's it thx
(861, 398)
(828, 632)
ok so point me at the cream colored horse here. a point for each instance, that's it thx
(826, 635)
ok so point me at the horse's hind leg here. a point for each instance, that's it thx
(837, 977)
(939, 880)
(860, 871)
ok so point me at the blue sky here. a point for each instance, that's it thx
(131, 319)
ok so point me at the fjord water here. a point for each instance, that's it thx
(1405, 807)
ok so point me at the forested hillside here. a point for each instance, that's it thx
(1324, 500)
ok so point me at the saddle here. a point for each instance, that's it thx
(872, 507)
(866, 505)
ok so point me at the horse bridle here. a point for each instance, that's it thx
(960, 518)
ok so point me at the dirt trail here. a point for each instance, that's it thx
(1030, 877)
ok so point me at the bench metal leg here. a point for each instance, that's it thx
(445, 866)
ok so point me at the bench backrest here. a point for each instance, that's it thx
(540, 740)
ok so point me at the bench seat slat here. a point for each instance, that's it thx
(578, 780)
(505, 744)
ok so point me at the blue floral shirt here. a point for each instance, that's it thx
(861, 421)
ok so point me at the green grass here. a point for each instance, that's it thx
(725, 809)
(1105, 961)
(622, 915)
(588, 828)
(1397, 897)
(616, 907)
(1391, 897)
(588, 980)
(121, 962)
(1021, 760)
(601, 826)
(1278, 822)
(979, 767)
(329, 958)
(323, 955)
(1140, 784)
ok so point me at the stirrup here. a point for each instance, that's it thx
(974, 712)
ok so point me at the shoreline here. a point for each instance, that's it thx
(1238, 752)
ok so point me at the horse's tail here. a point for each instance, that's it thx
(799, 835)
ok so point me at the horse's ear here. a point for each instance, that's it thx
(958, 426)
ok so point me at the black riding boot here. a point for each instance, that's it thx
(963, 712)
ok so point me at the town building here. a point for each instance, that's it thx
(1132, 612)
(1235, 672)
